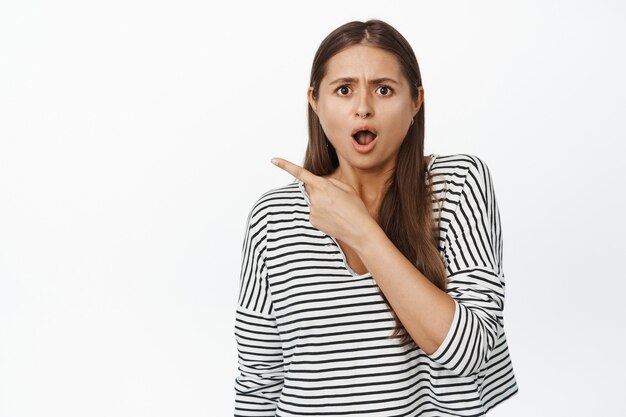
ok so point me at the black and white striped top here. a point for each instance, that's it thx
(312, 335)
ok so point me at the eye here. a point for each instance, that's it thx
(386, 89)
(342, 88)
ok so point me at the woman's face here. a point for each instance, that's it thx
(364, 87)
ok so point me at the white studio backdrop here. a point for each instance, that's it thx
(135, 137)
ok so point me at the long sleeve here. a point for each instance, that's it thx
(260, 380)
(473, 259)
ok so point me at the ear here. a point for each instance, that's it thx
(419, 101)
(309, 96)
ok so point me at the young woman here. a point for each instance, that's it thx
(373, 284)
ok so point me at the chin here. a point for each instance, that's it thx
(364, 162)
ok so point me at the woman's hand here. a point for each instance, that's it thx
(336, 208)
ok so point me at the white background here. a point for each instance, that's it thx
(135, 136)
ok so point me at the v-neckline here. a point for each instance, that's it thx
(345, 261)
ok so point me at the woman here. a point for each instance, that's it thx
(373, 284)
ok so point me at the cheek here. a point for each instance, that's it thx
(332, 122)
(398, 117)
(398, 110)
(396, 126)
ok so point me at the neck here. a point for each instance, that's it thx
(369, 184)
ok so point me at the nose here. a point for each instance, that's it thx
(363, 106)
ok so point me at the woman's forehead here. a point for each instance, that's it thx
(360, 61)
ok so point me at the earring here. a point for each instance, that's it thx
(411, 122)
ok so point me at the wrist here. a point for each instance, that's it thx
(366, 237)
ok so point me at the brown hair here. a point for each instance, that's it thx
(406, 213)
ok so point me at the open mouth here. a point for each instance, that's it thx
(364, 137)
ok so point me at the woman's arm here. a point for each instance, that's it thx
(425, 311)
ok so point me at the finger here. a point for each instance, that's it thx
(297, 171)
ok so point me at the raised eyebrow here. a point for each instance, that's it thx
(353, 80)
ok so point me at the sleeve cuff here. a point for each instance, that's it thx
(442, 354)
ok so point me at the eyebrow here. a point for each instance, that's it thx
(354, 80)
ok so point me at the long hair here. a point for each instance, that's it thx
(406, 212)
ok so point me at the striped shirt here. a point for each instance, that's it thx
(312, 335)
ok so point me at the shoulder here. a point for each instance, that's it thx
(458, 163)
(466, 170)
(275, 200)
(462, 180)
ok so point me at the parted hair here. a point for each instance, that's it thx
(406, 212)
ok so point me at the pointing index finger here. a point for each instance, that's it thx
(297, 171)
